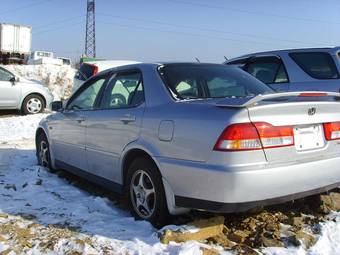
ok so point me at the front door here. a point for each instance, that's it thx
(9, 91)
(69, 148)
(116, 124)
(270, 70)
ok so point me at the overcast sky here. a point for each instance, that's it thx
(152, 30)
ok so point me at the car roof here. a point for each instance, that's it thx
(324, 49)
(113, 63)
(154, 64)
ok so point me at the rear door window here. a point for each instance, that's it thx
(319, 65)
(269, 70)
(123, 90)
(192, 81)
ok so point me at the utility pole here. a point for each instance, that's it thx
(90, 40)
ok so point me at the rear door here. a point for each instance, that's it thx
(10, 92)
(270, 70)
(116, 124)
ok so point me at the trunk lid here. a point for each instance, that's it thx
(307, 119)
(306, 113)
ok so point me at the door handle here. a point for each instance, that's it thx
(80, 119)
(127, 118)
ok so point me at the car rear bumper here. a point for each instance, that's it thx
(219, 188)
(213, 206)
(49, 99)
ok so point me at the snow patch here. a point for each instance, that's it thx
(327, 243)
(19, 127)
(59, 79)
(182, 229)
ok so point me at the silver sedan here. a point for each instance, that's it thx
(180, 136)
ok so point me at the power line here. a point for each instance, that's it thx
(63, 21)
(186, 33)
(210, 29)
(25, 6)
(252, 12)
(58, 28)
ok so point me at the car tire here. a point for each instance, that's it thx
(43, 152)
(33, 104)
(145, 191)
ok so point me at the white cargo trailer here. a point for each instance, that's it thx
(15, 42)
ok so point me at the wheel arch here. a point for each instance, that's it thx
(169, 194)
(130, 156)
(40, 130)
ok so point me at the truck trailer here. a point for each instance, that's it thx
(15, 43)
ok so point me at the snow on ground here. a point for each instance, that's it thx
(19, 128)
(28, 189)
(328, 243)
(32, 198)
(59, 79)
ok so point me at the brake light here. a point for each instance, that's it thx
(332, 130)
(254, 136)
(315, 94)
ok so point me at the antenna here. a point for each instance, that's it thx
(198, 60)
(90, 40)
(225, 58)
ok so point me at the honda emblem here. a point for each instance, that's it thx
(311, 111)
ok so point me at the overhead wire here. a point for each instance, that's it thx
(220, 7)
(210, 29)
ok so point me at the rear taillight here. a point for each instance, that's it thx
(254, 136)
(274, 136)
(95, 70)
(332, 130)
(239, 137)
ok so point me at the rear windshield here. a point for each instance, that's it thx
(319, 65)
(192, 81)
(85, 71)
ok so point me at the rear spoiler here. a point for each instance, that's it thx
(250, 101)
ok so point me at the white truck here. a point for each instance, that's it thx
(15, 43)
(43, 57)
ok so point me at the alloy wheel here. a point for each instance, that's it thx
(143, 196)
(43, 154)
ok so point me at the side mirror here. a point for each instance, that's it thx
(13, 80)
(57, 106)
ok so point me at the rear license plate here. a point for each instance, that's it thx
(309, 137)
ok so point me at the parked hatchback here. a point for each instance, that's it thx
(19, 93)
(179, 136)
(294, 70)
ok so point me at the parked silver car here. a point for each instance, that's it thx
(175, 136)
(19, 93)
(294, 69)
